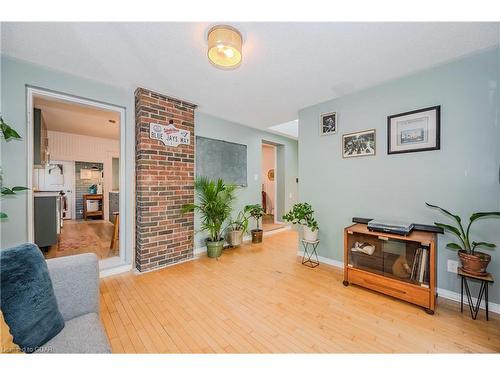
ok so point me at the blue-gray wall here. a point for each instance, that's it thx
(15, 75)
(462, 176)
(214, 127)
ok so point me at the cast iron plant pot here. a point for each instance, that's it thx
(257, 235)
(214, 248)
(474, 264)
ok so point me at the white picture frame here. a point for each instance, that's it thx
(328, 123)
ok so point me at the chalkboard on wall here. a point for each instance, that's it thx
(220, 159)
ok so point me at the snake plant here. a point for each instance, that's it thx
(464, 234)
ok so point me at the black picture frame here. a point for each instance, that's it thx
(437, 145)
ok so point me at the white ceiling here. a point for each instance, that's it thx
(78, 119)
(286, 66)
(290, 128)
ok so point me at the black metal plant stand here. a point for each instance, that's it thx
(309, 252)
(483, 290)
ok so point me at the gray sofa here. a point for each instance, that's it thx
(76, 285)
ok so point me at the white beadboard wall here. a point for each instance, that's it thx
(75, 147)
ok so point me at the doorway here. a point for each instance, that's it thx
(270, 191)
(75, 171)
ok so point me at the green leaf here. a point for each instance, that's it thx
(7, 131)
(7, 191)
(454, 246)
(456, 217)
(3, 215)
(478, 215)
(450, 228)
(485, 244)
(19, 188)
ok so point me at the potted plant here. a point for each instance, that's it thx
(215, 205)
(8, 134)
(473, 261)
(238, 227)
(303, 214)
(256, 211)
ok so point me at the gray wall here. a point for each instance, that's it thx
(462, 176)
(213, 127)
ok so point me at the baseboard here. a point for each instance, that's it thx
(444, 293)
(201, 250)
(115, 270)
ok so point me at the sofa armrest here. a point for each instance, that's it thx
(76, 284)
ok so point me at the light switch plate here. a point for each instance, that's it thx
(452, 266)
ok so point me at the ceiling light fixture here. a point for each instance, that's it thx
(224, 47)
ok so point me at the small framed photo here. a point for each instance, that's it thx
(328, 123)
(358, 144)
(414, 131)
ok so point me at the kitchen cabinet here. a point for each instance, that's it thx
(40, 140)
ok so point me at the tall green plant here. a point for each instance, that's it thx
(8, 133)
(302, 213)
(215, 200)
(256, 211)
(464, 235)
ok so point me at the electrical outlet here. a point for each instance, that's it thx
(452, 266)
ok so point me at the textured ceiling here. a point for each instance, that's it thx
(286, 66)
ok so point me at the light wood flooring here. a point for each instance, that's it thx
(268, 223)
(260, 299)
(79, 236)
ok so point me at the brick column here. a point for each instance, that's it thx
(164, 182)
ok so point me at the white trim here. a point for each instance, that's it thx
(444, 293)
(115, 270)
(126, 207)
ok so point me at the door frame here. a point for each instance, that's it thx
(276, 200)
(126, 230)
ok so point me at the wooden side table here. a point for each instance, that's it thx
(93, 197)
(483, 290)
(306, 257)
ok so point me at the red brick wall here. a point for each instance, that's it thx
(164, 182)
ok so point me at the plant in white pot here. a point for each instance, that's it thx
(215, 199)
(256, 211)
(303, 214)
(473, 261)
(238, 227)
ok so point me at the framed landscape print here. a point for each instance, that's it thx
(414, 131)
(328, 123)
(358, 144)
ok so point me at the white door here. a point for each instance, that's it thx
(60, 175)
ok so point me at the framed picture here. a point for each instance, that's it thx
(414, 131)
(328, 123)
(358, 144)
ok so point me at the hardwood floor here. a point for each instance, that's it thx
(260, 299)
(78, 237)
(268, 223)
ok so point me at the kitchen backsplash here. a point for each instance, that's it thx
(82, 186)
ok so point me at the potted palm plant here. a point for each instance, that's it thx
(238, 227)
(215, 199)
(303, 214)
(256, 211)
(473, 261)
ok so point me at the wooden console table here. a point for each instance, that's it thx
(93, 197)
(399, 266)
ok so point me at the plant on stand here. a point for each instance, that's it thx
(8, 133)
(303, 214)
(215, 205)
(238, 227)
(473, 261)
(256, 211)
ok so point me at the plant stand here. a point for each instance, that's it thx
(483, 290)
(309, 252)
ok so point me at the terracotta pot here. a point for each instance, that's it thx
(474, 264)
(257, 235)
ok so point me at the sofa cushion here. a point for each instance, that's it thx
(83, 334)
(27, 298)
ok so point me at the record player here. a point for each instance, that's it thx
(390, 226)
